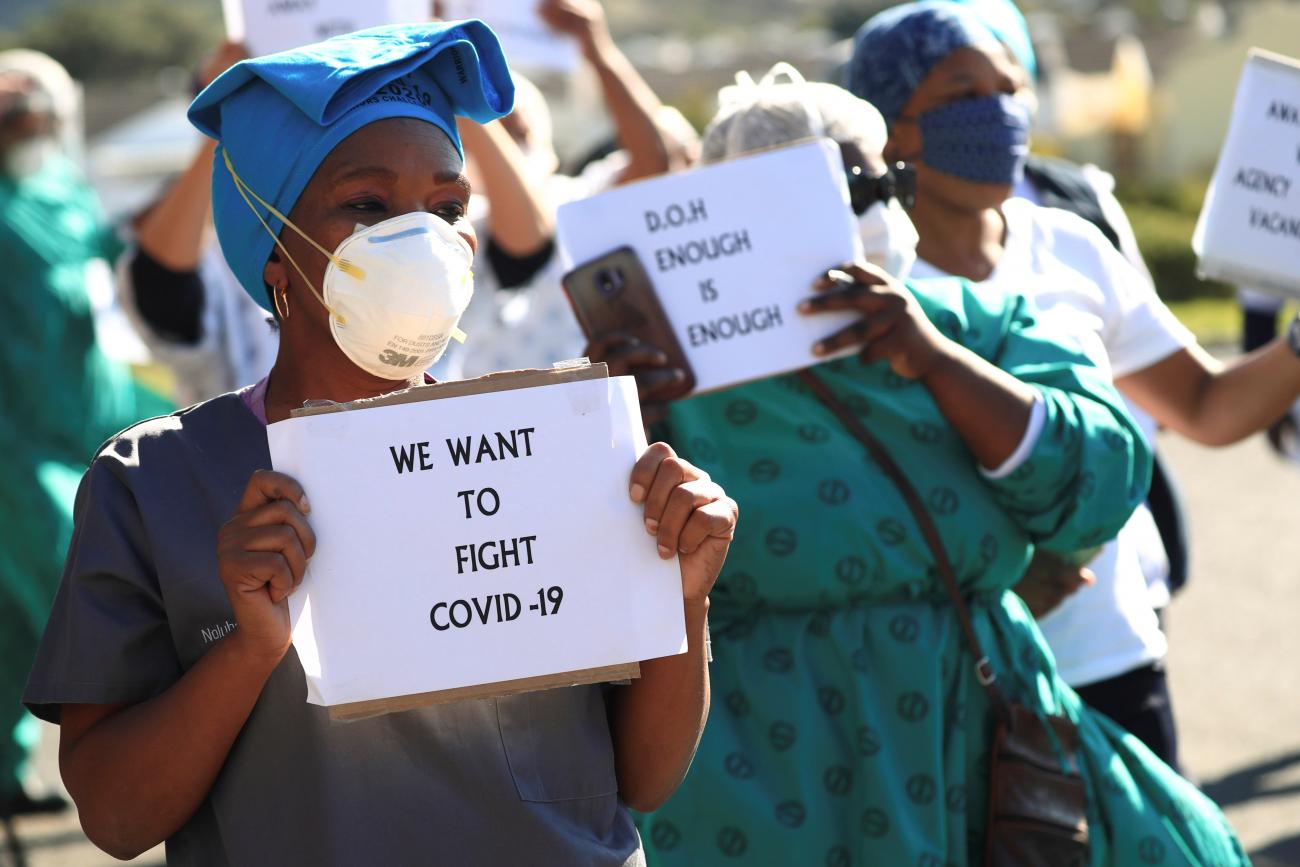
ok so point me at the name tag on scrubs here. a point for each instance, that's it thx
(731, 249)
(1249, 228)
(475, 539)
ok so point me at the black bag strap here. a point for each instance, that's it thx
(983, 668)
(1063, 185)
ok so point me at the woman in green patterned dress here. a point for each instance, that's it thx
(849, 728)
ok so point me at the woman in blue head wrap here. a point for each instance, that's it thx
(340, 204)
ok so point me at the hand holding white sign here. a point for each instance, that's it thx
(489, 538)
(729, 265)
(688, 514)
(893, 326)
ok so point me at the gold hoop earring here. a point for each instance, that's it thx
(282, 295)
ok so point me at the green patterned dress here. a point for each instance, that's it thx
(847, 725)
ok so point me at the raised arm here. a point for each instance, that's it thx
(657, 720)
(1061, 455)
(521, 221)
(989, 408)
(1213, 403)
(631, 103)
(171, 232)
(138, 772)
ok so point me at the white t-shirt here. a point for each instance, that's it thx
(1089, 290)
(1154, 559)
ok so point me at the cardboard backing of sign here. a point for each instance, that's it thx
(494, 382)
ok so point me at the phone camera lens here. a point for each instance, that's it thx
(610, 281)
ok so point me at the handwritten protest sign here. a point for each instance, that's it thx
(731, 249)
(1249, 228)
(268, 26)
(525, 38)
(476, 541)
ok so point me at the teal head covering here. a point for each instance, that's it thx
(896, 49)
(278, 117)
(1004, 18)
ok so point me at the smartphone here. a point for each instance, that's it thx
(612, 293)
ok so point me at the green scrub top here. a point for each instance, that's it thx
(61, 399)
(847, 725)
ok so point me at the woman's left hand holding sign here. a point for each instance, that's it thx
(689, 515)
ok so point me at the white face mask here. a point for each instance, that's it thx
(415, 281)
(395, 290)
(888, 237)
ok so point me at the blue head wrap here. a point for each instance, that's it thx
(278, 117)
(1006, 22)
(896, 49)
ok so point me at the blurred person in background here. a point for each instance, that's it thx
(177, 289)
(533, 325)
(1159, 525)
(62, 396)
(956, 102)
(850, 727)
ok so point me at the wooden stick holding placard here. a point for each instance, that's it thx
(496, 382)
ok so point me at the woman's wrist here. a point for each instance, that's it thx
(596, 44)
(945, 359)
(251, 660)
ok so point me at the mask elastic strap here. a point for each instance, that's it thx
(342, 264)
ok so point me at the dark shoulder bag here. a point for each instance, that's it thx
(1037, 813)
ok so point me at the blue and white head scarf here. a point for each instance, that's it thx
(278, 117)
(895, 50)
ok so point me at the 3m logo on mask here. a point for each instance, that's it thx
(397, 359)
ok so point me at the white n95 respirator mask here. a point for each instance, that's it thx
(395, 291)
(888, 237)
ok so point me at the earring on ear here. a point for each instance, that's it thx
(281, 296)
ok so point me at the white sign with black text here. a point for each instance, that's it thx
(474, 540)
(527, 41)
(268, 26)
(731, 249)
(1249, 228)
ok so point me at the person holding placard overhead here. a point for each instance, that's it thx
(855, 724)
(955, 101)
(339, 201)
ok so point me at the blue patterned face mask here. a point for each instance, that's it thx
(984, 140)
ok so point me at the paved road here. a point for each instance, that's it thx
(1234, 642)
(1234, 663)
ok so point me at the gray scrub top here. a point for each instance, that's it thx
(514, 781)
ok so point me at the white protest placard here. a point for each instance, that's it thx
(476, 540)
(268, 26)
(1249, 228)
(731, 249)
(527, 41)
